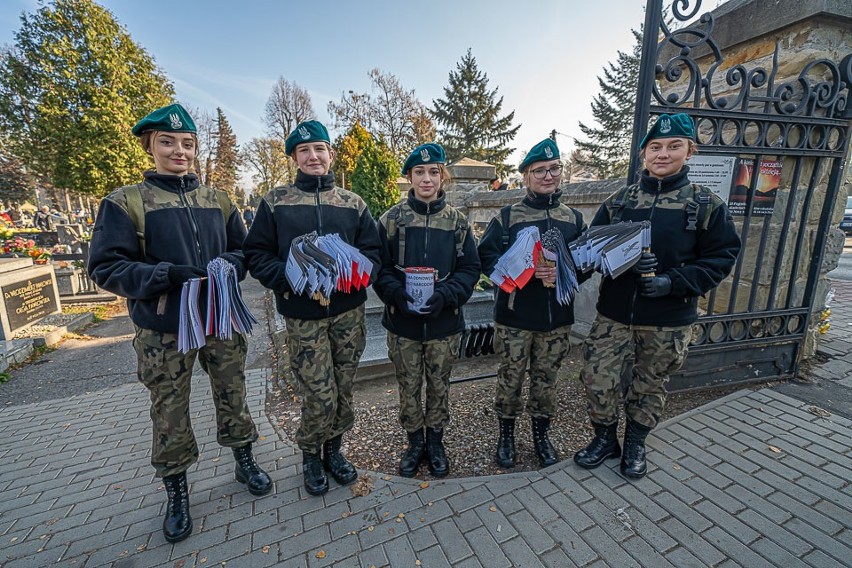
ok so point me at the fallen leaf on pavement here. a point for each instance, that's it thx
(321, 554)
(774, 449)
(424, 485)
(817, 411)
(363, 486)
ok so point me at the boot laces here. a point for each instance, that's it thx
(246, 461)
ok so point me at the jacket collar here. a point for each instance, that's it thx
(662, 185)
(423, 208)
(172, 183)
(307, 182)
(542, 201)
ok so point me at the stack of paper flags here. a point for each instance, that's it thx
(226, 310)
(517, 265)
(553, 245)
(611, 249)
(319, 265)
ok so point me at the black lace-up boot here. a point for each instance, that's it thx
(414, 454)
(543, 448)
(439, 465)
(633, 464)
(340, 468)
(316, 483)
(247, 471)
(602, 447)
(177, 524)
(506, 443)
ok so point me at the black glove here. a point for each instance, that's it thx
(434, 305)
(238, 263)
(655, 287)
(401, 299)
(647, 263)
(180, 273)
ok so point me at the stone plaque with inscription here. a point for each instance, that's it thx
(26, 296)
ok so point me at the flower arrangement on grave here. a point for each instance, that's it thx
(21, 247)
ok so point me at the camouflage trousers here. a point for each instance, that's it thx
(654, 352)
(412, 360)
(167, 374)
(541, 351)
(324, 357)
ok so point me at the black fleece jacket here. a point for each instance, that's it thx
(184, 225)
(696, 261)
(535, 307)
(311, 204)
(430, 240)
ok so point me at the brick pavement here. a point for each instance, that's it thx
(753, 479)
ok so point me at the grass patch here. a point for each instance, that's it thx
(99, 312)
(5, 378)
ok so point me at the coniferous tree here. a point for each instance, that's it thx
(607, 148)
(375, 176)
(468, 117)
(71, 86)
(224, 174)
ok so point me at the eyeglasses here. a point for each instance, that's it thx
(541, 173)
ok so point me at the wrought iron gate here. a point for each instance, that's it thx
(754, 325)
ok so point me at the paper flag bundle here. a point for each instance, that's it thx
(517, 265)
(611, 249)
(226, 310)
(554, 249)
(319, 265)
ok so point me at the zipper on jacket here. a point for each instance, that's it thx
(547, 291)
(192, 222)
(426, 257)
(317, 201)
(650, 217)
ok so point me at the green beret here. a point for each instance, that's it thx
(308, 131)
(544, 151)
(671, 126)
(172, 118)
(430, 153)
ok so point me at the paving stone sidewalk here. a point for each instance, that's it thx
(753, 479)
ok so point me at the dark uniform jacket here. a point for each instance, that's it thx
(431, 239)
(695, 260)
(534, 307)
(184, 224)
(287, 212)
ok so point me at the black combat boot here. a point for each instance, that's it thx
(602, 447)
(633, 464)
(177, 525)
(316, 483)
(340, 468)
(247, 471)
(543, 448)
(439, 465)
(506, 443)
(413, 456)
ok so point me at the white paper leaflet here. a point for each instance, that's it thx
(226, 311)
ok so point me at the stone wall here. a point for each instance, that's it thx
(747, 32)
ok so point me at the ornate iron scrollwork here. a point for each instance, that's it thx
(820, 90)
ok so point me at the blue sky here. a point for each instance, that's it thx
(544, 56)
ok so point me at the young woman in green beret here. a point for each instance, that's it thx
(532, 328)
(645, 315)
(325, 341)
(423, 237)
(148, 240)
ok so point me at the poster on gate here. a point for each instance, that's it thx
(768, 180)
